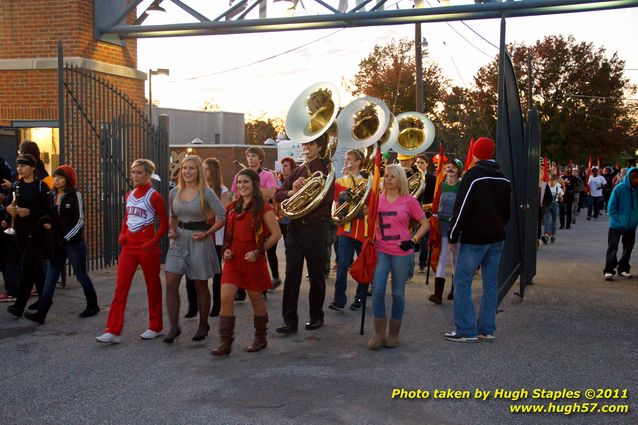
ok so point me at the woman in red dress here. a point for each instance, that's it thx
(251, 228)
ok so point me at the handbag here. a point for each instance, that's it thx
(362, 270)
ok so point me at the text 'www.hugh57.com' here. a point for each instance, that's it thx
(560, 401)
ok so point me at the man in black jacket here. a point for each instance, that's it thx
(481, 211)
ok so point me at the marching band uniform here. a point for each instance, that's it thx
(350, 237)
(306, 239)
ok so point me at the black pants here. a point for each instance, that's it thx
(566, 210)
(595, 202)
(32, 270)
(628, 238)
(306, 239)
(273, 261)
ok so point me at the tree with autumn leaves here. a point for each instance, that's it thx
(581, 93)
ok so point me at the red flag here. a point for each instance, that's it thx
(570, 164)
(362, 270)
(545, 173)
(616, 166)
(598, 162)
(468, 159)
(434, 244)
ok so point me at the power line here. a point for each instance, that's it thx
(255, 62)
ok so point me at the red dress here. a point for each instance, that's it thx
(246, 275)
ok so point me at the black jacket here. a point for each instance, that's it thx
(428, 193)
(482, 207)
(69, 217)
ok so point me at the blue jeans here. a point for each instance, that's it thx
(399, 266)
(347, 248)
(76, 252)
(470, 258)
(423, 250)
(551, 215)
(595, 203)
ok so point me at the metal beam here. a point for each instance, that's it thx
(368, 18)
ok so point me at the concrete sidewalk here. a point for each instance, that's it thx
(572, 331)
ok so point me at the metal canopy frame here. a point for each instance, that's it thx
(241, 16)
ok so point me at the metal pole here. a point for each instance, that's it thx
(61, 138)
(150, 97)
(419, 67)
(529, 81)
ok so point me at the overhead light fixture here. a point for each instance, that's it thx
(155, 7)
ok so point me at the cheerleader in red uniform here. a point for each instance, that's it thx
(140, 247)
(251, 229)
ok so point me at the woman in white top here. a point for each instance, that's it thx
(555, 190)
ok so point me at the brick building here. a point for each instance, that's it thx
(29, 33)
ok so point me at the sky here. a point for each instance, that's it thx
(231, 79)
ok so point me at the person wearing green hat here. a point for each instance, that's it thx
(449, 189)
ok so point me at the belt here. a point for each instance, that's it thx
(194, 225)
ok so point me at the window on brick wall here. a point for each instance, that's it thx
(217, 138)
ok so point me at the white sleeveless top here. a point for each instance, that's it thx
(140, 212)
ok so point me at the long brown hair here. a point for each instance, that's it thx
(216, 180)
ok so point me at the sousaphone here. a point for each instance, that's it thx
(416, 134)
(361, 124)
(311, 115)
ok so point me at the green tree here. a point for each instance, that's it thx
(258, 130)
(580, 93)
(389, 73)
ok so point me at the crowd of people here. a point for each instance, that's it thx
(231, 237)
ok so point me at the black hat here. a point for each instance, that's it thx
(26, 159)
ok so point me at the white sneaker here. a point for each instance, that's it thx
(109, 338)
(609, 276)
(453, 336)
(625, 274)
(149, 334)
(486, 337)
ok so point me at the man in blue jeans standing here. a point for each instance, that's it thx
(481, 211)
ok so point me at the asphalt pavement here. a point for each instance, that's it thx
(572, 331)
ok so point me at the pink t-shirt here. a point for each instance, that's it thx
(266, 181)
(393, 223)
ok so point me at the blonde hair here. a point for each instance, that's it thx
(147, 164)
(399, 173)
(201, 183)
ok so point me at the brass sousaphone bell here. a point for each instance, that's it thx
(311, 115)
(361, 124)
(416, 134)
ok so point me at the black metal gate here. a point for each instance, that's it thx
(101, 132)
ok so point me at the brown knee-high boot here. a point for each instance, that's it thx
(439, 284)
(261, 330)
(392, 340)
(226, 330)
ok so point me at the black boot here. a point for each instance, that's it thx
(91, 305)
(439, 284)
(450, 296)
(191, 292)
(40, 315)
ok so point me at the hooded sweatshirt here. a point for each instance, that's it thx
(623, 205)
(482, 207)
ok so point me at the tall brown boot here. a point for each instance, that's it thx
(261, 330)
(379, 333)
(226, 329)
(392, 340)
(439, 284)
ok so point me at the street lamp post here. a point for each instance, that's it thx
(151, 72)
(419, 43)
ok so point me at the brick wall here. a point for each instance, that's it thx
(31, 29)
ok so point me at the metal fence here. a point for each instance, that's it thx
(101, 132)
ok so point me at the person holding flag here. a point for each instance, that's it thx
(446, 197)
